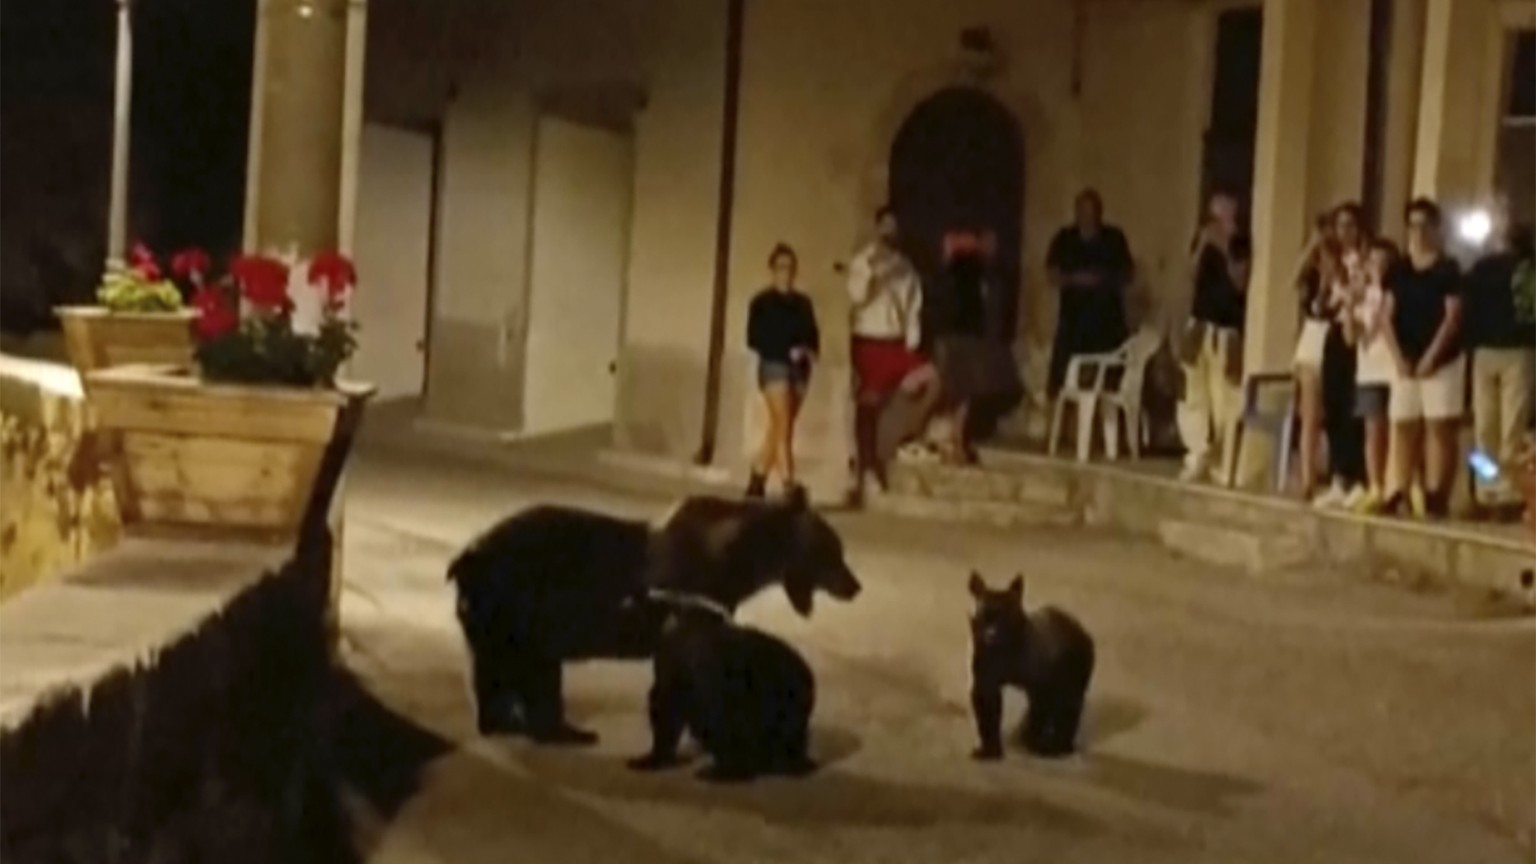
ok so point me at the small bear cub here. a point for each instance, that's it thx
(744, 695)
(1047, 654)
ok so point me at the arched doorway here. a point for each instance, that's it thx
(957, 162)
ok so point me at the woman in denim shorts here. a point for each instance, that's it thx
(782, 331)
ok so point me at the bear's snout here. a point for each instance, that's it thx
(843, 584)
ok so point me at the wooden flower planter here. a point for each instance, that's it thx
(193, 458)
(97, 338)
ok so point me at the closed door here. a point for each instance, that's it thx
(394, 225)
(580, 240)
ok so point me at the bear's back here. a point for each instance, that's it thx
(1059, 645)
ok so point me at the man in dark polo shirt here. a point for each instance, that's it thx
(1501, 332)
(1090, 264)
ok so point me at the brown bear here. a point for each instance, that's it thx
(744, 695)
(1047, 654)
(553, 584)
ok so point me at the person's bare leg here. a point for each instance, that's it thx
(959, 445)
(1410, 454)
(1376, 453)
(787, 438)
(1310, 408)
(776, 397)
(1440, 466)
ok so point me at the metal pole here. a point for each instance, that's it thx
(720, 297)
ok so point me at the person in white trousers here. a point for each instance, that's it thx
(1211, 348)
(1501, 330)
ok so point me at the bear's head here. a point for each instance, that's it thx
(815, 559)
(999, 619)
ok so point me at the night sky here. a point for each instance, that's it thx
(191, 101)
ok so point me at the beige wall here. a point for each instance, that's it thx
(815, 136)
(672, 238)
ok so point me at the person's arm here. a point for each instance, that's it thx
(1450, 325)
(756, 326)
(862, 289)
(1388, 332)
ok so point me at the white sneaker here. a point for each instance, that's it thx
(1194, 471)
(1356, 498)
(1331, 499)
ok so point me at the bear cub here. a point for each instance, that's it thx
(1047, 654)
(744, 695)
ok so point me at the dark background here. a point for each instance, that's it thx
(191, 104)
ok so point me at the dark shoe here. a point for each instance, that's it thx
(757, 485)
(1395, 505)
(988, 753)
(1437, 505)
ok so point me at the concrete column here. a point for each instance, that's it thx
(298, 109)
(1281, 209)
(1399, 138)
(1457, 110)
(122, 109)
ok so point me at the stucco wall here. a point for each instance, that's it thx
(672, 238)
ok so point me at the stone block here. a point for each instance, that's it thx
(1254, 552)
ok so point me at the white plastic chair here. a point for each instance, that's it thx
(1088, 384)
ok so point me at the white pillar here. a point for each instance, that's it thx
(122, 109)
(352, 122)
(1280, 180)
(1458, 107)
(298, 107)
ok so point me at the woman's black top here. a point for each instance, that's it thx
(780, 320)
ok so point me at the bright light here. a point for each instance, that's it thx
(306, 10)
(1475, 226)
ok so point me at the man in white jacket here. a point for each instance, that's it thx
(886, 294)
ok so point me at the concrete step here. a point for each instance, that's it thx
(1252, 550)
(988, 484)
(1001, 514)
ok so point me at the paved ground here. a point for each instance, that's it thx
(1306, 718)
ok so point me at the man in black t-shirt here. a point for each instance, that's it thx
(1430, 390)
(1090, 264)
(1211, 348)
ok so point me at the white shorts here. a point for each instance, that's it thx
(1309, 347)
(1441, 396)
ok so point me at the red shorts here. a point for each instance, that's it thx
(882, 364)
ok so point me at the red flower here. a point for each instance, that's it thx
(190, 264)
(142, 261)
(216, 315)
(334, 272)
(263, 281)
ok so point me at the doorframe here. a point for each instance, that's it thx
(434, 131)
(548, 107)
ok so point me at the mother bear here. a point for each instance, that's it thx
(552, 584)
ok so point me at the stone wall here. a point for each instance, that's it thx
(163, 704)
(58, 508)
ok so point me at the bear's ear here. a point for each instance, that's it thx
(977, 587)
(1016, 588)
